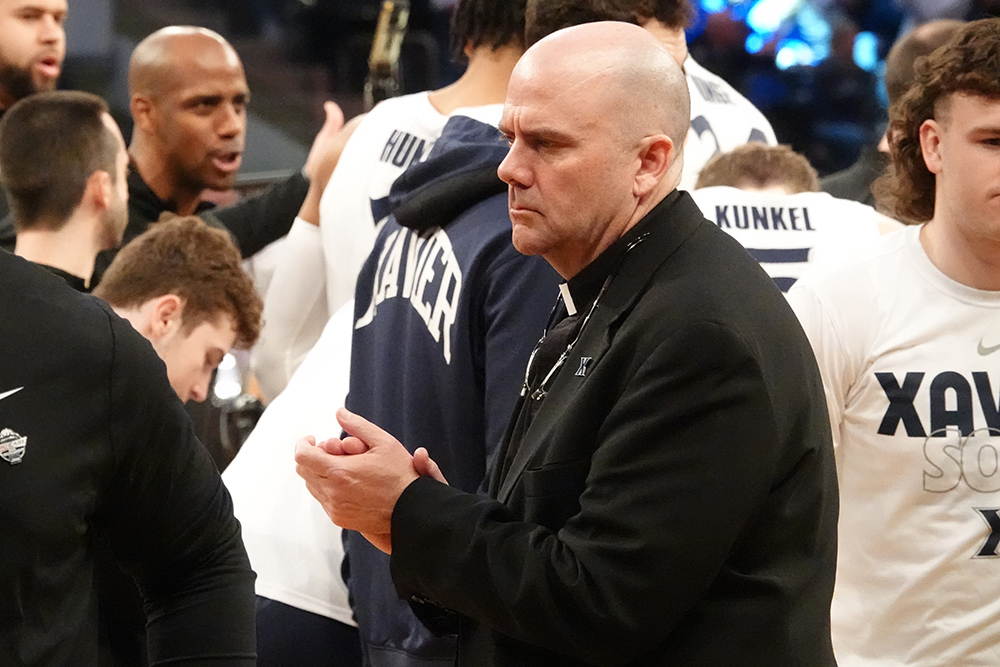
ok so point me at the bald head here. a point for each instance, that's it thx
(596, 116)
(188, 101)
(167, 58)
(622, 68)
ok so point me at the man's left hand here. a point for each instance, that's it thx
(357, 480)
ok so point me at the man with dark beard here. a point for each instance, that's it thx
(63, 167)
(32, 49)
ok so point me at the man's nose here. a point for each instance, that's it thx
(233, 121)
(512, 170)
(199, 390)
(51, 30)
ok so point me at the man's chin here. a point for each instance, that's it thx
(45, 85)
(524, 243)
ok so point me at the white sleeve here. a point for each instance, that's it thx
(295, 309)
(831, 356)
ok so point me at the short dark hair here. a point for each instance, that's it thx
(969, 63)
(921, 41)
(185, 257)
(544, 17)
(50, 144)
(493, 23)
(759, 166)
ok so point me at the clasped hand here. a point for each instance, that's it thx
(358, 480)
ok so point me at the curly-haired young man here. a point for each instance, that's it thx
(181, 286)
(906, 339)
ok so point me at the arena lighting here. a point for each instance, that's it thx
(227, 382)
(754, 43)
(792, 52)
(866, 51)
(767, 16)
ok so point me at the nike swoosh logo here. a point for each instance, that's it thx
(9, 393)
(983, 351)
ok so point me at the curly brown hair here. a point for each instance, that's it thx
(969, 63)
(760, 166)
(198, 263)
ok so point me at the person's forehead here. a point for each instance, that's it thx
(216, 332)
(553, 98)
(971, 109)
(51, 6)
(204, 67)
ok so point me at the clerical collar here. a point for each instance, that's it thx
(583, 288)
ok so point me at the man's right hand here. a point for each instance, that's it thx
(426, 467)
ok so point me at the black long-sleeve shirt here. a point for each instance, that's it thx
(94, 442)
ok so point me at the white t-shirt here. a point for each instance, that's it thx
(293, 546)
(787, 233)
(721, 120)
(911, 365)
(315, 276)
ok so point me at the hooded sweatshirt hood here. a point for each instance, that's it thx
(460, 171)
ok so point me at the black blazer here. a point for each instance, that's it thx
(674, 505)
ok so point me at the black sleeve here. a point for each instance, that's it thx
(170, 519)
(666, 496)
(261, 220)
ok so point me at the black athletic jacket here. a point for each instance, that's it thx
(94, 442)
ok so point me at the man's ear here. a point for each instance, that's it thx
(99, 189)
(930, 144)
(656, 154)
(142, 109)
(164, 316)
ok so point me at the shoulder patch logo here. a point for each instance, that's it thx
(12, 446)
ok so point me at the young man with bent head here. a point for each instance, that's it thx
(906, 337)
(63, 166)
(180, 284)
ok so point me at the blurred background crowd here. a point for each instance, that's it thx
(812, 66)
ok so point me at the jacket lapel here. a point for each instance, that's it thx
(668, 230)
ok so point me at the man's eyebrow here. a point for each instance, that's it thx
(549, 133)
(985, 129)
(541, 132)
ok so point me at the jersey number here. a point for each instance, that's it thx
(701, 126)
